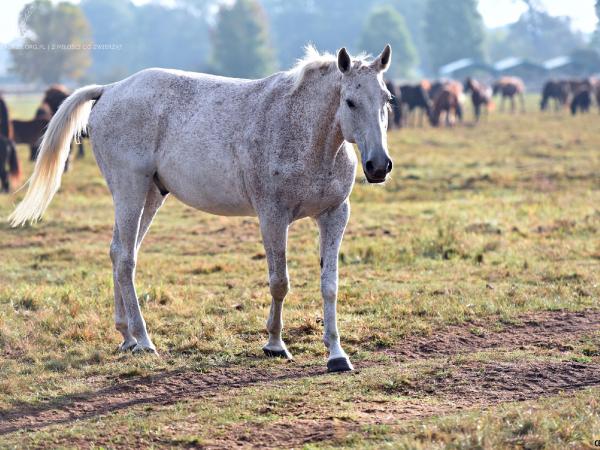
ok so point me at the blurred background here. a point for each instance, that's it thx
(100, 41)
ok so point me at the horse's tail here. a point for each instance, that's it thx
(13, 163)
(69, 121)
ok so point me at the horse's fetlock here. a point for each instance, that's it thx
(121, 326)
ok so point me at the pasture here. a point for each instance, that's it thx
(469, 304)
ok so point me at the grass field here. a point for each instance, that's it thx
(469, 303)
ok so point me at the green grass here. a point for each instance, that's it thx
(479, 222)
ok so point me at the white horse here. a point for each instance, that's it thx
(277, 148)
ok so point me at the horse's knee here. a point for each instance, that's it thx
(279, 286)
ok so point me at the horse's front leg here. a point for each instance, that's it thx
(274, 232)
(331, 227)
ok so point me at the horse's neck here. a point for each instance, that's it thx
(319, 101)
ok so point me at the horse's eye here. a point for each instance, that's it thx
(350, 104)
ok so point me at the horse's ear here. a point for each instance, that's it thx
(382, 62)
(344, 62)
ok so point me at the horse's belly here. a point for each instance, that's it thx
(215, 191)
(213, 203)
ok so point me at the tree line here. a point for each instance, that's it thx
(106, 40)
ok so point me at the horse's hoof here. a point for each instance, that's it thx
(339, 365)
(140, 349)
(277, 353)
(126, 346)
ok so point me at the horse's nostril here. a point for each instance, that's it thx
(388, 168)
(369, 166)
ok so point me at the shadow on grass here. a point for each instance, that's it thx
(158, 389)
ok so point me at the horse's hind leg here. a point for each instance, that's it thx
(274, 232)
(129, 193)
(33, 151)
(331, 230)
(154, 200)
(129, 342)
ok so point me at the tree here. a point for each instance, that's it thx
(241, 46)
(413, 12)
(385, 25)
(56, 42)
(530, 37)
(454, 30)
(595, 43)
(112, 23)
(328, 25)
(149, 35)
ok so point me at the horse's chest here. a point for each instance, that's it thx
(322, 190)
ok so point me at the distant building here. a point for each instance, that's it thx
(532, 74)
(467, 67)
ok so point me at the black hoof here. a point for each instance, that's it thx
(339, 365)
(277, 353)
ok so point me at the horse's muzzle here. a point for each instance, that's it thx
(376, 170)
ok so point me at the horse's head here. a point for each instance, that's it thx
(497, 87)
(363, 111)
(468, 84)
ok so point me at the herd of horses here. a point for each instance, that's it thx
(446, 98)
(413, 102)
(577, 94)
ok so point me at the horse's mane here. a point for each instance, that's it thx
(314, 60)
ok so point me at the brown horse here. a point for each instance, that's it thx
(54, 96)
(509, 87)
(446, 101)
(480, 96)
(436, 87)
(30, 132)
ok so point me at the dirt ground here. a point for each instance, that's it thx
(471, 385)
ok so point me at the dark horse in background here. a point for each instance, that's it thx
(415, 96)
(480, 96)
(395, 116)
(556, 90)
(582, 91)
(8, 153)
(510, 87)
(30, 132)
